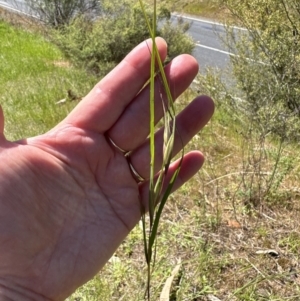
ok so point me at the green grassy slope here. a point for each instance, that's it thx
(33, 77)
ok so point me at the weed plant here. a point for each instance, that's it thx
(158, 194)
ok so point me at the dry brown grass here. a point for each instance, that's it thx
(202, 8)
(238, 227)
(18, 20)
(220, 236)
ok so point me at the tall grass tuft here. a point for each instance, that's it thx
(158, 194)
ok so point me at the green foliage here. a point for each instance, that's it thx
(201, 7)
(34, 76)
(177, 39)
(267, 65)
(99, 45)
(60, 12)
(263, 100)
(206, 8)
(92, 290)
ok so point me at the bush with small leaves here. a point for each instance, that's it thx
(100, 44)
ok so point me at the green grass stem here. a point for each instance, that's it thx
(158, 198)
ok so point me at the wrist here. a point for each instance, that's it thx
(11, 292)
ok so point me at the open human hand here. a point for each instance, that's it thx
(68, 197)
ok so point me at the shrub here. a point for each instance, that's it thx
(60, 12)
(267, 65)
(263, 99)
(99, 45)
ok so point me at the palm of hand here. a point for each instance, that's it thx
(67, 198)
(78, 198)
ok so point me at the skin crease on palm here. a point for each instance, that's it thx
(67, 197)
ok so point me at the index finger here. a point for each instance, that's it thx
(101, 108)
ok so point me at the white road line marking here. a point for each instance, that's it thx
(16, 10)
(231, 54)
(215, 49)
(206, 21)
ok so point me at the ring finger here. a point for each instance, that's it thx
(188, 123)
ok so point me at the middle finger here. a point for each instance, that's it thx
(132, 127)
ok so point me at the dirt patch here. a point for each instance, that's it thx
(63, 64)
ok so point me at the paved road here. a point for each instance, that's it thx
(209, 50)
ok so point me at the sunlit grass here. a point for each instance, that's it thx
(34, 76)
